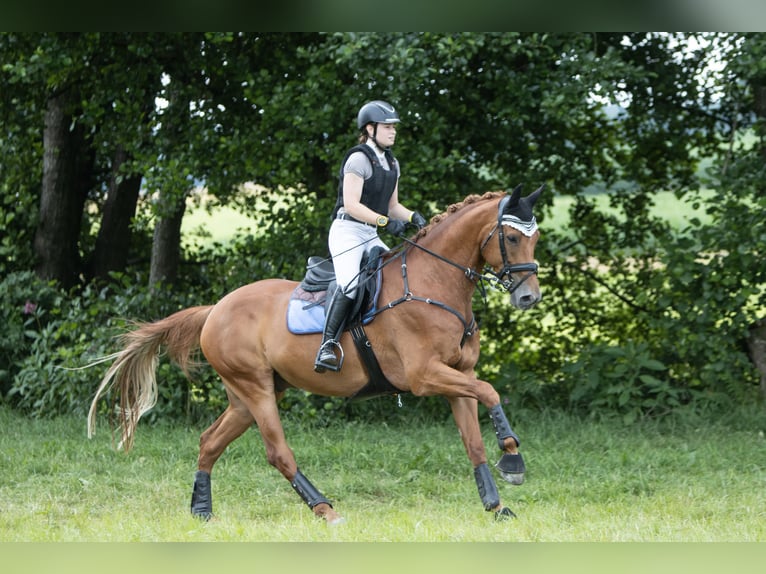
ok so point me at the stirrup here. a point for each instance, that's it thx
(321, 366)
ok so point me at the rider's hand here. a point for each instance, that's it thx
(418, 220)
(396, 227)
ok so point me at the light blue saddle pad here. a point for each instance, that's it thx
(305, 312)
(306, 309)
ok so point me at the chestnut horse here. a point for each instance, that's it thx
(424, 336)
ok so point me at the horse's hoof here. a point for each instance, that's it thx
(512, 468)
(203, 516)
(332, 518)
(503, 514)
(515, 479)
(327, 513)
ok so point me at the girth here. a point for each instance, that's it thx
(378, 384)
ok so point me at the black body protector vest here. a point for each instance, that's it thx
(377, 190)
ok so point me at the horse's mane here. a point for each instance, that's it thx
(469, 200)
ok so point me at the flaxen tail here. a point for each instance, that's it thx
(133, 373)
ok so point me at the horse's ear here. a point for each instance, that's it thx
(532, 197)
(515, 197)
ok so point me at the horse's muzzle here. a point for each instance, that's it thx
(526, 295)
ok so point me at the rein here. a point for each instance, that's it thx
(502, 279)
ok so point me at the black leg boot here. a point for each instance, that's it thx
(333, 327)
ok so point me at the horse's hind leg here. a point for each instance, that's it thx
(234, 421)
(280, 456)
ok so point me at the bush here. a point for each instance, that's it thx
(53, 376)
(27, 305)
(656, 327)
(625, 381)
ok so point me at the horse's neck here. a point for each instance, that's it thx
(458, 237)
(457, 240)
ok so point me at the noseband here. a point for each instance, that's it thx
(504, 277)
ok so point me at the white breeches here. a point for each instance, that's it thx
(348, 242)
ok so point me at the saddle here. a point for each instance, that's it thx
(306, 312)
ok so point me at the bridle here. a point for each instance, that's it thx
(504, 277)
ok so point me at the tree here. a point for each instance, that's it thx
(113, 241)
(67, 166)
(88, 84)
(618, 115)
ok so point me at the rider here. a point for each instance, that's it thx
(368, 200)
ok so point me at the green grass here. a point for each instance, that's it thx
(586, 481)
(220, 227)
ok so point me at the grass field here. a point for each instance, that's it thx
(392, 481)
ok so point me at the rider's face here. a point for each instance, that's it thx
(386, 134)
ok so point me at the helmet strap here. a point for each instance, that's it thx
(375, 137)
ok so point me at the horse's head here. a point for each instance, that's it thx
(512, 256)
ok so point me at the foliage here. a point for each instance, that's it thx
(27, 305)
(68, 332)
(613, 381)
(620, 115)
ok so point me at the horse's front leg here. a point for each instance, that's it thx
(511, 464)
(465, 412)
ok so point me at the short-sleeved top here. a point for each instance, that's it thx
(380, 174)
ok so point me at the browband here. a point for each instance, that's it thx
(528, 228)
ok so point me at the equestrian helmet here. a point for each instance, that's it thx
(376, 112)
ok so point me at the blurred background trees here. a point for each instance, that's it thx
(107, 138)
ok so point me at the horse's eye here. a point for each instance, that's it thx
(512, 239)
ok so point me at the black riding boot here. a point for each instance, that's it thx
(334, 320)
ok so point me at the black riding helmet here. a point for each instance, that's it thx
(376, 112)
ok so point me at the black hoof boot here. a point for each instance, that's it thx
(512, 468)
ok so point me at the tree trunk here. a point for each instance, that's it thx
(759, 105)
(67, 171)
(756, 344)
(166, 245)
(113, 241)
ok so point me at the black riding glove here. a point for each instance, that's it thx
(396, 227)
(418, 220)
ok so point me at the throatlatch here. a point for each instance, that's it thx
(308, 491)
